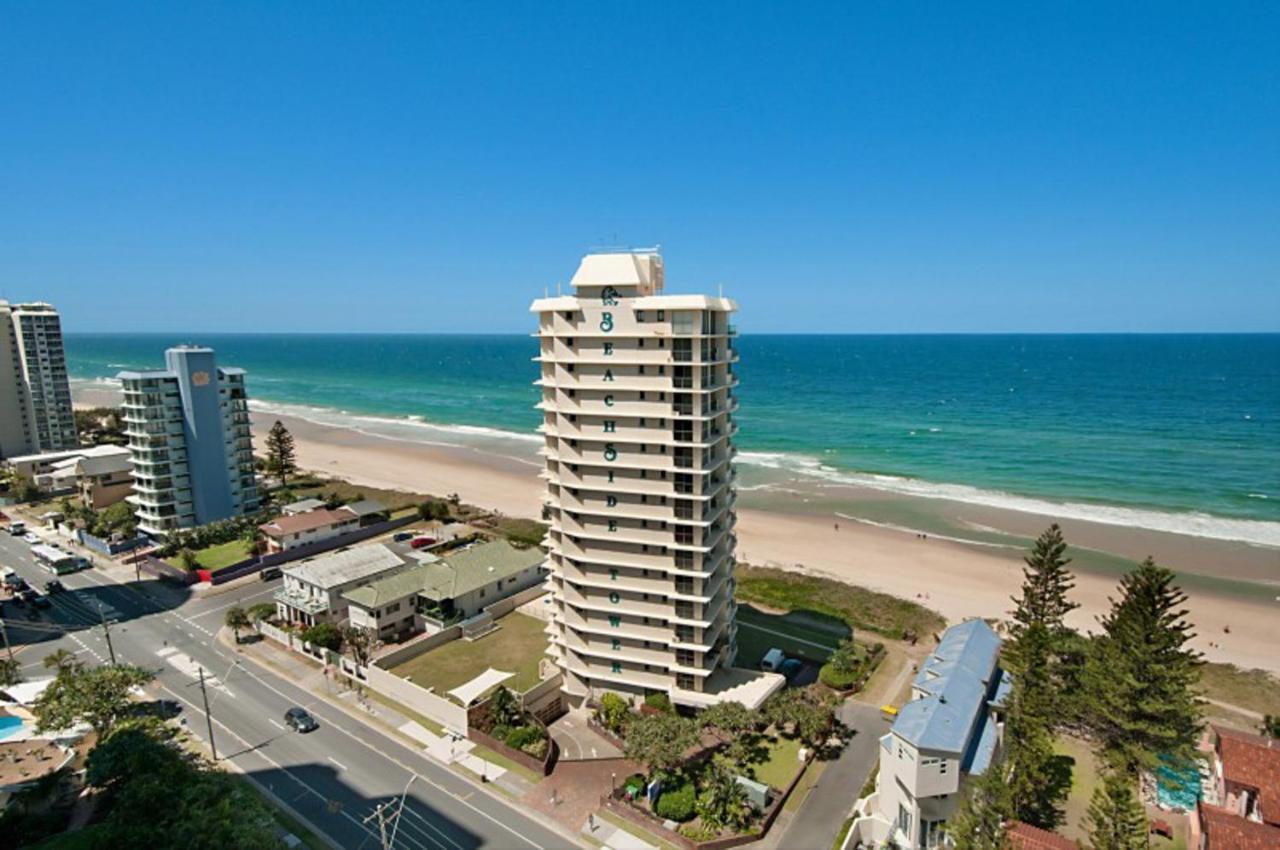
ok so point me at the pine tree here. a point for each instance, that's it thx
(979, 823)
(1046, 582)
(1116, 819)
(1037, 785)
(281, 456)
(1141, 677)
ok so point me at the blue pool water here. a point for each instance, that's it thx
(1177, 785)
(9, 726)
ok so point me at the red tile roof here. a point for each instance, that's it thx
(1024, 836)
(309, 521)
(1225, 830)
(1252, 761)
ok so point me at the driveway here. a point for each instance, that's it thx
(578, 741)
(817, 822)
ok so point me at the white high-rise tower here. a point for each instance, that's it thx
(637, 401)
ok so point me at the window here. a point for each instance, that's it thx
(904, 819)
(942, 767)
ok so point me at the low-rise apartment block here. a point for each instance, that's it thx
(312, 591)
(188, 430)
(950, 730)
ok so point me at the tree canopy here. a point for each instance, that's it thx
(281, 454)
(99, 696)
(659, 741)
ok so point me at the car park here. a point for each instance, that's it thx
(299, 720)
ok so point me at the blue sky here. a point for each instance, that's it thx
(853, 167)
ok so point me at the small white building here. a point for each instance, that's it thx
(312, 590)
(950, 730)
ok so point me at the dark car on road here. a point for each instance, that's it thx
(299, 720)
(42, 602)
(52, 587)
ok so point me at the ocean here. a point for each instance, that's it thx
(1168, 432)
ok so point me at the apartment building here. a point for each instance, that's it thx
(188, 430)
(35, 398)
(949, 731)
(637, 403)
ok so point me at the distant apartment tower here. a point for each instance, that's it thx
(188, 429)
(35, 399)
(637, 402)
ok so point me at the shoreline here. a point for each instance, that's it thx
(955, 578)
(968, 562)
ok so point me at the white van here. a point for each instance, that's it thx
(17, 528)
(772, 660)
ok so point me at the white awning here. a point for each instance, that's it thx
(473, 689)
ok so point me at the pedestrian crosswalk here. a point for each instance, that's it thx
(184, 664)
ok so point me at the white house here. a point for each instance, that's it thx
(951, 729)
(312, 590)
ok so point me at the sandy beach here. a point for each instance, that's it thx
(957, 579)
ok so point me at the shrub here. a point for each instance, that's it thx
(838, 679)
(537, 749)
(613, 712)
(500, 732)
(659, 700)
(676, 802)
(519, 737)
(323, 634)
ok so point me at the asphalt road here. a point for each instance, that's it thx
(335, 776)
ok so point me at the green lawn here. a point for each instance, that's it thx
(780, 764)
(516, 647)
(860, 608)
(1084, 779)
(797, 635)
(217, 557)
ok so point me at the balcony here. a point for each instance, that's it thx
(301, 601)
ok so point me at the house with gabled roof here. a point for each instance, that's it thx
(950, 730)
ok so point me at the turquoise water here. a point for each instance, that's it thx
(9, 726)
(1177, 432)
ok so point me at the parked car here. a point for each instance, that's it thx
(17, 528)
(54, 586)
(32, 539)
(419, 542)
(299, 720)
(269, 573)
(41, 601)
(402, 536)
(791, 668)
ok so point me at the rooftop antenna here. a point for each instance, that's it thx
(557, 288)
(545, 291)
(720, 286)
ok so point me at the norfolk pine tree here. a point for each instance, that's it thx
(1116, 819)
(979, 822)
(1141, 678)
(281, 455)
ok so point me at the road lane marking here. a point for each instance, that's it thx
(340, 765)
(275, 724)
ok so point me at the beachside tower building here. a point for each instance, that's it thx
(638, 403)
(188, 429)
(35, 397)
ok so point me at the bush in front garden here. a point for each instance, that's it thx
(676, 803)
(323, 634)
(659, 700)
(613, 712)
(837, 679)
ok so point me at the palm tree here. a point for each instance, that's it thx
(63, 661)
(237, 619)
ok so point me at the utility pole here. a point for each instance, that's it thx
(5, 631)
(107, 631)
(204, 694)
(383, 818)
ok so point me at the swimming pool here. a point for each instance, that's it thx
(9, 726)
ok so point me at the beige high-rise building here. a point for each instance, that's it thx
(638, 404)
(35, 397)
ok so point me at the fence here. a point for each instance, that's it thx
(440, 709)
(417, 647)
(164, 570)
(107, 547)
(514, 601)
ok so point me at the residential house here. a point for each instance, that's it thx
(950, 730)
(370, 511)
(1024, 836)
(302, 506)
(1245, 801)
(445, 589)
(99, 479)
(294, 530)
(311, 591)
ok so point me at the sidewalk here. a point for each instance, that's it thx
(312, 677)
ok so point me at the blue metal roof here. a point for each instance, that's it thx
(978, 758)
(957, 680)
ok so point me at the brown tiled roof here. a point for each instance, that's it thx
(308, 521)
(1024, 836)
(1225, 830)
(1252, 761)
